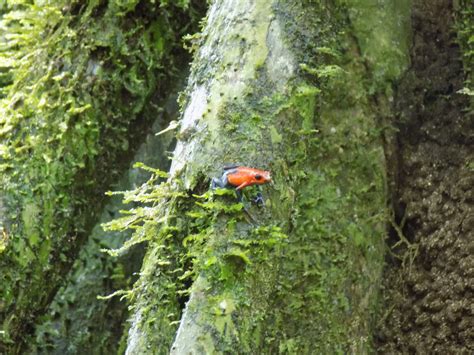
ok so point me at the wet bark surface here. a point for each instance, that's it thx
(431, 284)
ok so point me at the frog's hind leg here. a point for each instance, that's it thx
(239, 195)
(219, 182)
(215, 182)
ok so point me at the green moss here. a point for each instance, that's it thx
(82, 78)
(383, 32)
(76, 320)
(465, 32)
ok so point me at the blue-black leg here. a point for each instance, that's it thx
(258, 199)
(214, 183)
(219, 182)
(239, 195)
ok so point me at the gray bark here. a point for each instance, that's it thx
(226, 21)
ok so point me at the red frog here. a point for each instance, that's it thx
(240, 177)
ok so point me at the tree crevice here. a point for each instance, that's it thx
(435, 146)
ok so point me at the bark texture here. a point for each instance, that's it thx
(430, 285)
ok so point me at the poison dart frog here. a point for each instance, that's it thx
(240, 177)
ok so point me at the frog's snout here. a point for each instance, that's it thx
(268, 177)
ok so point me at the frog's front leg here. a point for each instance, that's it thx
(239, 195)
(258, 199)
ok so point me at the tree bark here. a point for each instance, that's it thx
(346, 102)
(429, 285)
(275, 85)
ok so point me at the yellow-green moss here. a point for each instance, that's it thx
(83, 75)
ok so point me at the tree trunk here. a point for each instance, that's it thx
(345, 102)
(83, 75)
(430, 283)
(76, 320)
(275, 85)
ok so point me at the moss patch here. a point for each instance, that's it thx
(83, 75)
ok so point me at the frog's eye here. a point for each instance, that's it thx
(258, 177)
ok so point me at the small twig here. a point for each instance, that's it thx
(412, 248)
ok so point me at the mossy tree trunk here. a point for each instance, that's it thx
(88, 79)
(83, 317)
(281, 86)
(311, 90)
